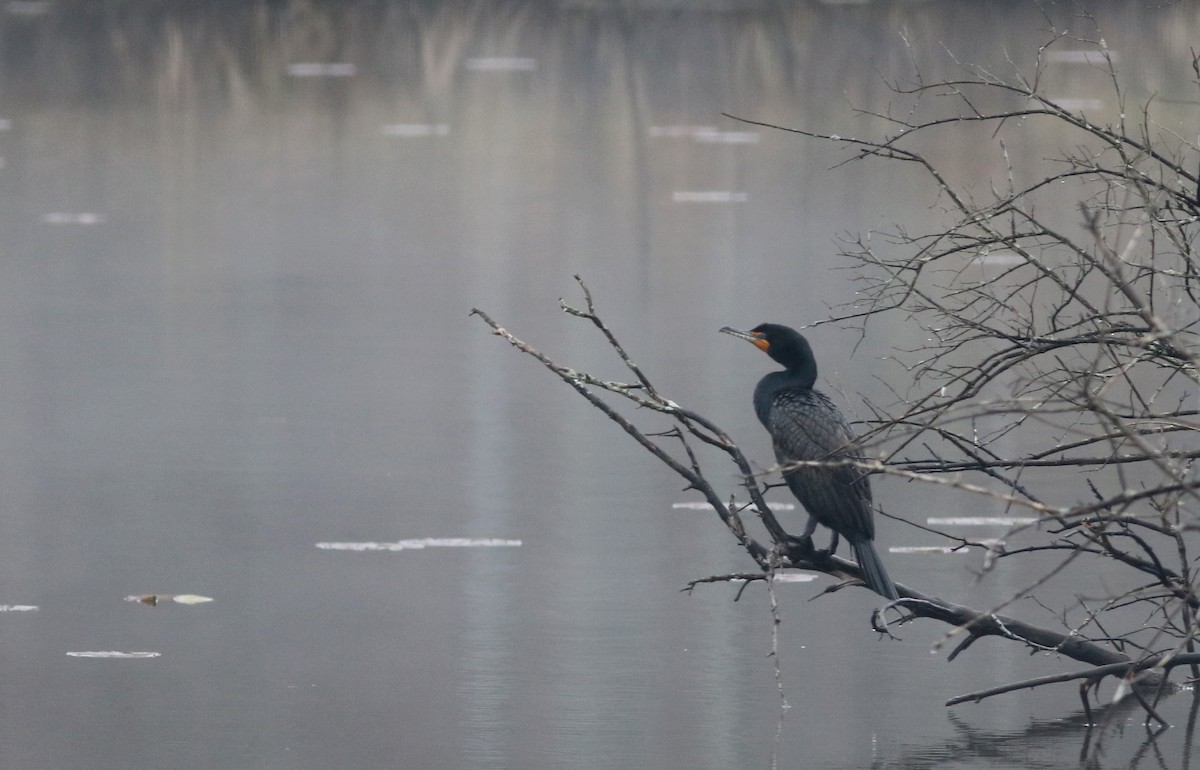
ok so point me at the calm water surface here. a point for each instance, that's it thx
(240, 245)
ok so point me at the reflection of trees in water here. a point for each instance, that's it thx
(603, 75)
(181, 51)
(1066, 741)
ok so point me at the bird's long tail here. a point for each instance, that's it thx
(873, 571)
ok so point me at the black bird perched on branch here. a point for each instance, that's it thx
(805, 425)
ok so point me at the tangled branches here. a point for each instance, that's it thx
(1056, 371)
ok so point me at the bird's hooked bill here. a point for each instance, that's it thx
(756, 338)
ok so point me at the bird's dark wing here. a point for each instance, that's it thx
(805, 425)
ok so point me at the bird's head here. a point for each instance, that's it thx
(782, 343)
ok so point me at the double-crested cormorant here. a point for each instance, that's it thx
(805, 425)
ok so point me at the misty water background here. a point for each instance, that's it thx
(240, 244)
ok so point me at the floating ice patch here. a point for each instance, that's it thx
(708, 134)
(415, 130)
(693, 505)
(67, 218)
(153, 600)
(191, 599)
(984, 541)
(980, 521)
(113, 654)
(787, 577)
(680, 132)
(321, 70)
(501, 64)
(726, 137)
(708, 196)
(17, 607)
(425, 542)
(926, 549)
(941, 548)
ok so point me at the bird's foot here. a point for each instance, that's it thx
(801, 545)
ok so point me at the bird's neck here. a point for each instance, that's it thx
(773, 383)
